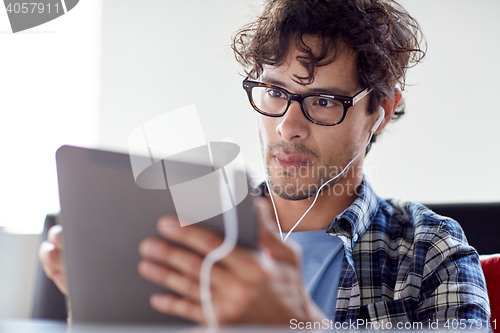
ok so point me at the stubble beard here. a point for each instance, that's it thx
(286, 184)
(290, 187)
(304, 182)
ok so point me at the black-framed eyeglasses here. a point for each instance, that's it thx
(321, 109)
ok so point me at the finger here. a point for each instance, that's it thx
(204, 241)
(55, 235)
(173, 305)
(163, 252)
(200, 240)
(50, 257)
(268, 239)
(181, 260)
(170, 279)
(60, 281)
(51, 260)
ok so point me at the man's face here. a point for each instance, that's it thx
(299, 155)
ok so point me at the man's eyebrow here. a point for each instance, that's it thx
(331, 91)
(326, 91)
(274, 82)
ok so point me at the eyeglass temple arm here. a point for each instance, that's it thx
(360, 96)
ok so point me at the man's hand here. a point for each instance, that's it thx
(50, 254)
(246, 287)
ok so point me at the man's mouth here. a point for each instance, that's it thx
(287, 161)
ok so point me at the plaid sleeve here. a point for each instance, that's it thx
(453, 285)
(439, 275)
(405, 264)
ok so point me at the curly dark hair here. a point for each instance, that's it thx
(385, 37)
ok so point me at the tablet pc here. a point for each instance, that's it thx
(105, 215)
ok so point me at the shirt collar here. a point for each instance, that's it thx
(355, 219)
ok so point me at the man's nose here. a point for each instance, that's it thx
(294, 125)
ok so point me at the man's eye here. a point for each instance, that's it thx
(325, 102)
(275, 93)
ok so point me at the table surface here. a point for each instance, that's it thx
(47, 326)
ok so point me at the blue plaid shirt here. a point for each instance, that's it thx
(405, 263)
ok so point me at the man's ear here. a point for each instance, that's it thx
(389, 104)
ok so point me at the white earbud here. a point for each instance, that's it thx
(379, 120)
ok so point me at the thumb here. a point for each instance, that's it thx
(269, 239)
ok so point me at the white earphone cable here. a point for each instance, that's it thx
(230, 219)
(229, 243)
(275, 211)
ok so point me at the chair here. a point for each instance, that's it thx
(480, 222)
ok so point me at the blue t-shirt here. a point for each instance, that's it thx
(322, 257)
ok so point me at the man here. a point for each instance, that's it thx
(323, 75)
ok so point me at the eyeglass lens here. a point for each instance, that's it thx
(274, 101)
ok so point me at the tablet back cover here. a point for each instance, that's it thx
(105, 215)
